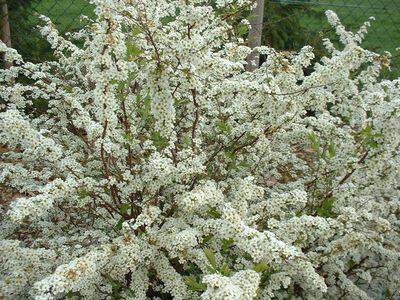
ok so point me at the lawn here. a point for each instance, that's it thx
(64, 13)
(384, 34)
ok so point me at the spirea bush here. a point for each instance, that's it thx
(163, 170)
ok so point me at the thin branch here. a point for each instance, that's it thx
(196, 117)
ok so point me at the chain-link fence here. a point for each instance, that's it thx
(312, 26)
(21, 17)
(288, 24)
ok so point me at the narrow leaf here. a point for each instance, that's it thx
(211, 257)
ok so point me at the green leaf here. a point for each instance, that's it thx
(124, 208)
(331, 150)
(136, 30)
(114, 284)
(70, 295)
(158, 140)
(128, 136)
(315, 144)
(167, 19)
(118, 226)
(371, 143)
(194, 285)
(193, 268)
(82, 193)
(68, 88)
(207, 238)
(226, 243)
(326, 208)
(186, 140)
(244, 164)
(265, 277)
(225, 270)
(132, 50)
(145, 107)
(211, 258)
(224, 127)
(242, 30)
(260, 267)
(214, 213)
(370, 137)
(230, 154)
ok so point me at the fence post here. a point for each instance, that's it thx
(5, 29)
(255, 34)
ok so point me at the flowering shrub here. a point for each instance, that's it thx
(163, 170)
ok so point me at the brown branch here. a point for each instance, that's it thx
(352, 171)
(348, 175)
(196, 116)
(127, 127)
(150, 37)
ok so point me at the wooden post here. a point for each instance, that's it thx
(5, 29)
(255, 34)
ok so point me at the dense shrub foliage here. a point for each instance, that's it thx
(162, 169)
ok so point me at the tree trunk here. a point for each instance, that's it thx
(255, 34)
(5, 29)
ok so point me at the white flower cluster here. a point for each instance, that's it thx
(161, 168)
(242, 285)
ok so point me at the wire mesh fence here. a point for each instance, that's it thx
(288, 24)
(22, 17)
(383, 35)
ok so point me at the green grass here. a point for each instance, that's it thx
(65, 13)
(383, 35)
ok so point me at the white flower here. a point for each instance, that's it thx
(162, 169)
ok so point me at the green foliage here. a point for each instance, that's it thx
(214, 213)
(211, 258)
(206, 239)
(332, 151)
(281, 26)
(118, 226)
(260, 267)
(72, 295)
(326, 150)
(159, 141)
(132, 50)
(117, 289)
(315, 143)
(224, 127)
(195, 285)
(326, 208)
(145, 107)
(214, 266)
(370, 139)
(83, 193)
(285, 30)
(226, 244)
(123, 209)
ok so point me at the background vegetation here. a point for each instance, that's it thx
(288, 24)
